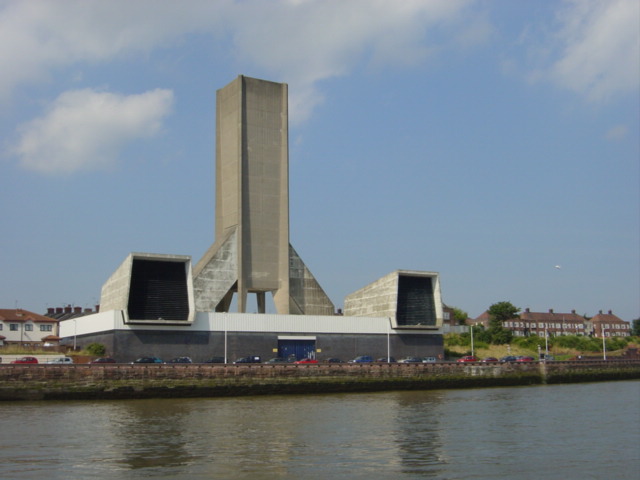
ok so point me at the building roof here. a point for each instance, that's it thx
(51, 338)
(607, 318)
(20, 315)
(551, 316)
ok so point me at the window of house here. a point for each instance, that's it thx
(28, 327)
(13, 327)
(46, 328)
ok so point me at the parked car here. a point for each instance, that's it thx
(386, 360)
(509, 358)
(333, 360)
(26, 360)
(362, 359)
(467, 359)
(410, 360)
(490, 360)
(277, 360)
(307, 360)
(525, 358)
(429, 359)
(250, 359)
(180, 360)
(147, 360)
(215, 360)
(61, 361)
(103, 360)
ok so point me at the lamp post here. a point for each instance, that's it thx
(225, 338)
(389, 341)
(472, 351)
(604, 344)
(546, 341)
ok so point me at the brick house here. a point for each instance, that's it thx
(22, 327)
(608, 325)
(556, 323)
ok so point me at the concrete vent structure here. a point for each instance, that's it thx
(410, 298)
(252, 253)
(151, 289)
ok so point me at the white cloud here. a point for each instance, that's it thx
(599, 43)
(85, 129)
(617, 132)
(305, 42)
(301, 42)
(37, 36)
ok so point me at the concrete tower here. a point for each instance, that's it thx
(252, 253)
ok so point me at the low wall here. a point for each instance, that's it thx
(117, 381)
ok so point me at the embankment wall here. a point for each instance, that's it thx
(124, 381)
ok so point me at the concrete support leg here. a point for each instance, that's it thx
(261, 302)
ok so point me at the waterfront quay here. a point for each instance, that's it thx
(127, 381)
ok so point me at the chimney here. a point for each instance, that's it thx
(58, 309)
(87, 310)
(77, 309)
(526, 310)
(97, 308)
(50, 311)
(610, 313)
(551, 310)
(600, 312)
(573, 312)
(67, 309)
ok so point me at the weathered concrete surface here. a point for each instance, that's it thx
(119, 381)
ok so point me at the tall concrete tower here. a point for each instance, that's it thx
(252, 253)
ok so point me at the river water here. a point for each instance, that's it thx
(579, 431)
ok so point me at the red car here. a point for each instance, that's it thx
(467, 358)
(524, 358)
(307, 360)
(490, 360)
(26, 360)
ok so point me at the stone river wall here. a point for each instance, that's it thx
(124, 381)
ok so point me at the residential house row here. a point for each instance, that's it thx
(29, 329)
(553, 324)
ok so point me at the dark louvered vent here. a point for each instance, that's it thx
(158, 291)
(416, 305)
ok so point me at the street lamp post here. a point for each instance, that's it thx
(546, 341)
(389, 341)
(472, 351)
(604, 344)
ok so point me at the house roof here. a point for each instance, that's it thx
(51, 338)
(20, 315)
(549, 316)
(607, 318)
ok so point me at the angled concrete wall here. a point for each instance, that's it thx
(151, 288)
(410, 298)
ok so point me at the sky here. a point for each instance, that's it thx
(495, 142)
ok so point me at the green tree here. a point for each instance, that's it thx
(635, 327)
(498, 313)
(96, 349)
(460, 316)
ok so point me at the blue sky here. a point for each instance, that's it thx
(490, 141)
